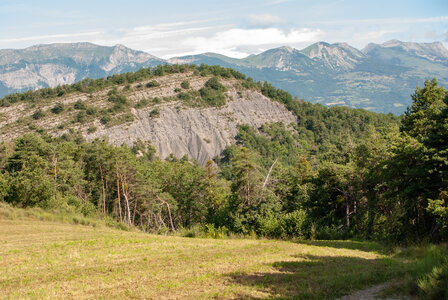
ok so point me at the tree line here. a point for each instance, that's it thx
(340, 173)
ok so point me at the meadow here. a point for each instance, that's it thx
(43, 255)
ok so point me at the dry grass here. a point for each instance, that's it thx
(52, 259)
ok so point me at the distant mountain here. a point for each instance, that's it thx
(51, 65)
(379, 78)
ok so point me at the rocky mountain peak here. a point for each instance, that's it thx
(434, 51)
(338, 56)
(63, 63)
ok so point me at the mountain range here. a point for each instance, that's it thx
(380, 77)
(57, 64)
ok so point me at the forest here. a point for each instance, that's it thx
(341, 173)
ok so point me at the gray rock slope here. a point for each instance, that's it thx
(199, 132)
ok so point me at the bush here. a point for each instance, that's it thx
(154, 113)
(214, 84)
(152, 83)
(429, 277)
(88, 209)
(212, 97)
(330, 232)
(270, 227)
(185, 84)
(58, 108)
(295, 224)
(91, 111)
(104, 120)
(38, 114)
(216, 233)
(118, 99)
(80, 117)
(184, 96)
(79, 105)
(142, 103)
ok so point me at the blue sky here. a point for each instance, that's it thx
(235, 28)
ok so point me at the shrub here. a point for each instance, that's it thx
(212, 97)
(142, 103)
(214, 83)
(80, 117)
(118, 99)
(152, 83)
(185, 84)
(58, 108)
(184, 96)
(38, 114)
(91, 129)
(429, 277)
(295, 224)
(216, 233)
(91, 111)
(79, 105)
(104, 120)
(154, 113)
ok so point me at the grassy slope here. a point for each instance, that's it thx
(47, 259)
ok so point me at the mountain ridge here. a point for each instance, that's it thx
(379, 77)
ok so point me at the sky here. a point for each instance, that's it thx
(167, 28)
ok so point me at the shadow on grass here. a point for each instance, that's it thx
(352, 245)
(318, 277)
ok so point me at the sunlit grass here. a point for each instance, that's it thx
(51, 258)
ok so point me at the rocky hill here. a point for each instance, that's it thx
(169, 111)
(57, 64)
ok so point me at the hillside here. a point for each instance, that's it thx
(378, 78)
(57, 64)
(43, 258)
(158, 110)
(282, 167)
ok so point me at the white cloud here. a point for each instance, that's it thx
(264, 20)
(229, 42)
(169, 40)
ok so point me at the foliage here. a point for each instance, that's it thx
(185, 84)
(335, 172)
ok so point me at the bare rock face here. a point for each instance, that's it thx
(200, 133)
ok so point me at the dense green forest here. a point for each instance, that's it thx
(340, 173)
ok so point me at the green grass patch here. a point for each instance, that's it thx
(57, 254)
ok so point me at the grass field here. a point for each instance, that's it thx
(54, 259)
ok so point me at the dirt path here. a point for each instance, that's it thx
(370, 293)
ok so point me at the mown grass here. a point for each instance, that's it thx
(51, 258)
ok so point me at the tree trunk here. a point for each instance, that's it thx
(266, 180)
(103, 194)
(126, 198)
(118, 192)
